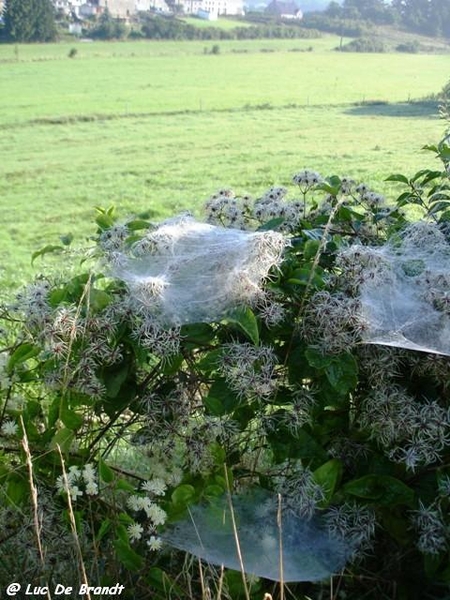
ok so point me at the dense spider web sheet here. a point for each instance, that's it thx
(309, 551)
(405, 290)
(186, 271)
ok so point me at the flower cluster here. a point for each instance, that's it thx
(249, 370)
(300, 491)
(149, 514)
(431, 528)
(307, 179)
(9, 428)
(414, 433)
(75, 479)
(354, 523)
(332, 322)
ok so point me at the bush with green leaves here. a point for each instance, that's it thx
(121, 407)
(363, 44)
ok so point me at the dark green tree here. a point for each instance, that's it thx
(109, 28)
(29, 21)
(376, 11)
(429, 17)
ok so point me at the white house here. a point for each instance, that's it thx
(213, 7)
(284, 10)
(69, 6)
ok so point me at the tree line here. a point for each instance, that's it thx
(427, 17)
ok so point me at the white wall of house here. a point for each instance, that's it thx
(224, 7)
(214, 7)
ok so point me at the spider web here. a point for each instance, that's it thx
(309, 552)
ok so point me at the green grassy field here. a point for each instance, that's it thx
(160, 126)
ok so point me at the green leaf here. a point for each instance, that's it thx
(311, 249)
(128, 557)
(122, 484)
(21, 354)
(98, 299)
(328, 476)
(431, 147)
(213, 491)
(382, 489)
(220, 399)
(210, 361)
(183, 495)
(106, 474)
(70, 418)
(137, 224)
(316, 359)
(272, 224)
(245, 319)
(333, 190)
(50, 248)
(17, 490)
(217, 453)
(62, 438)
(114, 379)
(105, 221)
(197, 334)
(342, 373)
(303, 445)
(398, 177)
(104, 528)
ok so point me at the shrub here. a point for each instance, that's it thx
(363, 45)
(189, 360)
(411, 47)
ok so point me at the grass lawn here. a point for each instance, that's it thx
(160, 126)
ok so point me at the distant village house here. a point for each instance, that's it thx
(284, 10)
(125, 9)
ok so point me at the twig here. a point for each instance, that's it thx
(236, 535)
(73, 524)
(34, 498)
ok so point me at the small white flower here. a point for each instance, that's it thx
(61, 484)
(157, 515)
(175, 477)
(133, 502)
(9, 428)
(75, 491)
(74, 473)
(154, 543)
(135, 531)
(91, 488)
(155, 486)
(89, 474)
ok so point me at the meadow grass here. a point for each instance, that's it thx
(159, 126)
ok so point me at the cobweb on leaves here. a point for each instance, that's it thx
(187, 271)
(309, 551)
(404, 289)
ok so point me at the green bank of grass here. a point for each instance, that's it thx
(161, 126)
